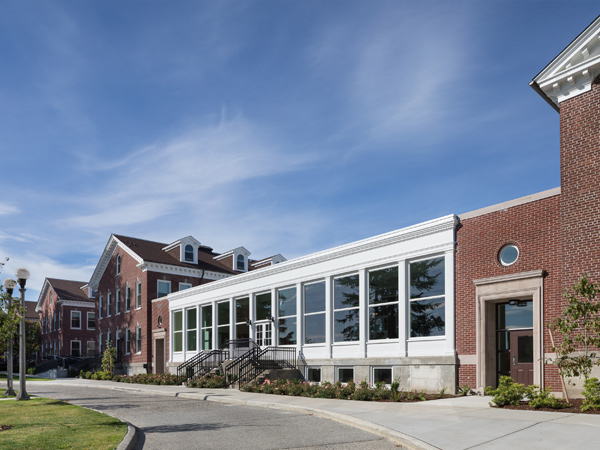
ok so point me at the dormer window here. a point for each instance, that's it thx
(240, 263)
(189, 253)
(118, 264)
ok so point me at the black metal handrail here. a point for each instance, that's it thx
(257, 360)
(203, 362)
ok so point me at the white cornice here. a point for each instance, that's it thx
(572, 72)
(43, 292)
(77, 303)
(181, 270)
(405, 234)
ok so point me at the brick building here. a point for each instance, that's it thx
(67, 318)
(514, 259)
(130, 284)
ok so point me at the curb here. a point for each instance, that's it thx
(130, 438)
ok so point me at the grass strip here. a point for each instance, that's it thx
(43, 423)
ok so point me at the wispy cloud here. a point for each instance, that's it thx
(7, 209)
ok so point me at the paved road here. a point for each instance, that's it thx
(177, 423)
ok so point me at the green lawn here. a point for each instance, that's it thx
(43, 423)
(27, 378)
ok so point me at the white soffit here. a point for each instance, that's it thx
(572, 72)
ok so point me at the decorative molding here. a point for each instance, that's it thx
(510, 203)
(435, 226)
(510, 277)
(77, 303)
(572, 72)
(111, 245)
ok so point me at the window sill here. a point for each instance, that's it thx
(344, 343)
(383, 341)
(426, 339)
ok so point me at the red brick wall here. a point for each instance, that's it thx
(535, 229)
(580, 178)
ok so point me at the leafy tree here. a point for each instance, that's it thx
(579, 328)
(109, 358)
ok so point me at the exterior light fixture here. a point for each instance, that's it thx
(22, 275)
(9, 285)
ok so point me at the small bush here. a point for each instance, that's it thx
(208, 381)
(543, 398)
(508, 392)
(591, 392)
(31, 371)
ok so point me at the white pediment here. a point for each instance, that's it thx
(572, 72)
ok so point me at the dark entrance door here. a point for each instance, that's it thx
(521, 363)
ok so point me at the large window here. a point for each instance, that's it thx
(118, 264)
(427, 298)
(242, 317)
(286, 300)
(100, 343)
(138, 295)
(177, 331)
(101, 307)
(59, 321)
(206, 327)
(263, 306)
(76, 320)
(222, 323)
(76, 348)
(108, 304)
(314, 313)
(383, 303)
(91, 320)
(345, 309)
(163, 288)
(191, 329)
(118, 302)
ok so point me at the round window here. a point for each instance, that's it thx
(508, 254)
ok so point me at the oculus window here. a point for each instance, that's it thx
(427, 298)
(508, 255)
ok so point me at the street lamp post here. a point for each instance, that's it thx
(22, 275)
(10, 286)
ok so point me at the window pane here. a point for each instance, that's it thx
(427, 317)
(242, 310)
(525, 349)
(345, 325)
(287, 331)
(177, 321)
(207, 339)
(345, 292)
(191, 319)
(313, 374)
(223, 335)
(242, 331)
(383, 286)
(383, 322)
(164, 288)
(382, 375)
(207, 316)
(287, 302)
(223, 313)
(345, 375)
(177, 344)
(191, 341)
(515, 316)
(314, 297)
(314, 329)
(263, 306)
(427, 278)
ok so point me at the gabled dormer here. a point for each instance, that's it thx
(572, 72)
(187, 248)
(271, 261)
(237, 259)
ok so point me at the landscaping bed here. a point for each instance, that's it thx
(574, 406)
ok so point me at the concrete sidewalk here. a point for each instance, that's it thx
(457, 423)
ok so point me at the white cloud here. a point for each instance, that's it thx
(7, 208)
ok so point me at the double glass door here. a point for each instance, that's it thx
(264, 334)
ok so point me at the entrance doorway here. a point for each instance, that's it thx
(514, 341)
(264, 334)
(159, 355)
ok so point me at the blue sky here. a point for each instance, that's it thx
(283, 126)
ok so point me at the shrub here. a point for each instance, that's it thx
(508, 392)
(209, 381)
(31, 371)
(543, 398)
(591, 392)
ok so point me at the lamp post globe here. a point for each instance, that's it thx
(9, 284)
(22, 275)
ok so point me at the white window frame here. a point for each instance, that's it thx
(158, 282)
(374, 368)
(88, 320)
(118, 302)
(320, 369)
(108, 299)
(181, 286)
(410, 301)
(72, 314)
(118, 269)
(316, 313)
(333, 310)
(376, 305)
(180, 332)
(138, 340)
(138, 295)
(127, 298)
(71, 348)
(289, 316)
(127, 341)
(100, 307)
(337, 372)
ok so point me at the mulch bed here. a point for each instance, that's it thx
(574, 407)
